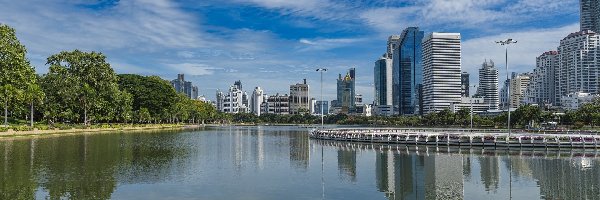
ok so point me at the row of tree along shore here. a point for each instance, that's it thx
(81, 89)
(527, 116)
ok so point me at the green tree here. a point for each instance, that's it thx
(150, 92)
(92, 84)
(16, 73)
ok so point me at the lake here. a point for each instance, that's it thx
(271, 162)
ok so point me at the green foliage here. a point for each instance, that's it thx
(150, 92)
(81, 86)
(16, 74)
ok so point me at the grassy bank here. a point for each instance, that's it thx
(15, 131)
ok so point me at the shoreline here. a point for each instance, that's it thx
(56, 132)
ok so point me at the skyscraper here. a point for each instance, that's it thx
(299, 99)
(184, 87)
(383, 81)
(464, 84)
(590, 15)
(579, 69)
(407, 71)
(518, 86)
(346, 92)
(488, 85)
(542, 88)
(256, 100)
(441, 71)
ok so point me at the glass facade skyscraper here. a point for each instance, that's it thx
(408, 72)
(346, 91)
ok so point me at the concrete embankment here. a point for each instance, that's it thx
(456, 137)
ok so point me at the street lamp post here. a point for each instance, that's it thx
(322, 127)
(471, 98)
(505, 43)
(322, 108)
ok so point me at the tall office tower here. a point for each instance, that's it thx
(407, 71)
(346, 92)
(392, 43)
(238, 83)
(299, 98)
(542, 88)
(464, 84)
(256, 100)
(589, 18)
(383, 81)
(488, 85)
(441, 71)
(220, 100)
(518, 86)
(183, 86)
(194, 92)
(504, 92)
(579, 68)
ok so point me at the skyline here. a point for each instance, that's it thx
(215, 43)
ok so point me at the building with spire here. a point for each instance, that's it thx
(488, 85)
(346, 92)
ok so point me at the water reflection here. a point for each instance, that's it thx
(409, 172)
(84, 166)
(271, 162)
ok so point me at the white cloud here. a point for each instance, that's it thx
(521, 56)
(193, 69)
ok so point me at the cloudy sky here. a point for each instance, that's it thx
(275, 43)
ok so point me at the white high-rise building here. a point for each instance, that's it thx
(518, 86)
(441, 71)
(232, 101)
(488, 85)
(589, 18)
(256, 100)
(579, 68)
(542, 88)
(299, 98)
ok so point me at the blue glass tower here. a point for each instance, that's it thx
(408, 72)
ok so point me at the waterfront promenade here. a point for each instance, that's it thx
(463, 137)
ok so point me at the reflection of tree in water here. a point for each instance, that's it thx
(347, 163)
(490, 172)
(16, 170)
(85, 166)
(571, 178)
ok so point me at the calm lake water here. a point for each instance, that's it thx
(281, 163)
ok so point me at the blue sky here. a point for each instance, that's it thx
(275, 43)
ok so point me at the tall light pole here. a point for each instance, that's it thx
(322, 127)
(505, 43)
(471, 98)
(322, 108)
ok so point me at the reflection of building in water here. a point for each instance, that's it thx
(399, 176)
(573, 178)
(489, 172)
(467, 167)
(347, 163)
(299, 150)
(260, 151)
(443, 177)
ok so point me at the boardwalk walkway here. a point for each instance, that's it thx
(462, 137)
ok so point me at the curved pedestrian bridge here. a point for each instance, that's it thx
(463, 137)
